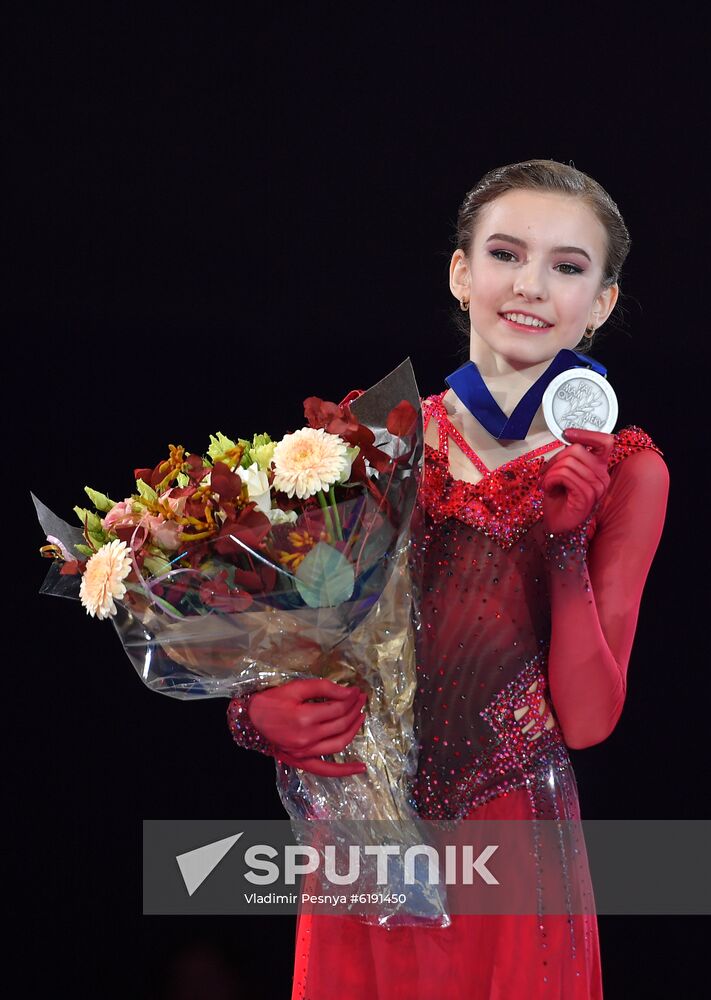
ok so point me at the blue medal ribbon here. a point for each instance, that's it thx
(471, 388)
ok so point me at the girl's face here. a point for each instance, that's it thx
(539, 255)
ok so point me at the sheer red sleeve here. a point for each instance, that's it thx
(595, 610)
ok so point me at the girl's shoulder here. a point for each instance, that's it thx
(629, 441)
(639, 477)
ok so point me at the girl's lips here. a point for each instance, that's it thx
(526, 329)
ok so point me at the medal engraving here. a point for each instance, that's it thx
(579, 398)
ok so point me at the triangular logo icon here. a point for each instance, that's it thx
(196, 865)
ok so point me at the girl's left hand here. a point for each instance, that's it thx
(575, 479)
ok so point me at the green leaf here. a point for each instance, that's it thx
(253, 448)
(183, 480)
(146, 491)
(262, 454)
(156, 565)
(325, 578)
(92, 520)
(246, 459)
(99, 500)
(219, 444)
(99, 538)
(162, 603)
(83, 550)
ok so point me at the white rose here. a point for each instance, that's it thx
(257, 486)
(352, 454)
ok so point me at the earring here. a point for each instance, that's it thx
(589, 331)
(464, 305)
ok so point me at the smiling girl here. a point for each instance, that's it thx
(535, 558)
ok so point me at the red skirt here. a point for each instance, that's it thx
(478, 957)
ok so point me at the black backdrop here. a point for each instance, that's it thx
(215, 216)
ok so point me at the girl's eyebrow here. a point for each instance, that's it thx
(522, 243)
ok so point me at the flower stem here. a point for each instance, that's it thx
(328, 521)
(339, 530)
(355, 521)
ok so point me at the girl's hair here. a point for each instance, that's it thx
(548, 176)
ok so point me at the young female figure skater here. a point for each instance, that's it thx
(535, 554)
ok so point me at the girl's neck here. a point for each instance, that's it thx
(508, 380)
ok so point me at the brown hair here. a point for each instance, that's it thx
(549, 176)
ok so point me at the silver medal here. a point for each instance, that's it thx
(579, 397)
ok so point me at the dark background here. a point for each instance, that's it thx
(213, 216)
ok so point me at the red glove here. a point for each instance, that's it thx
(575, 480)
(300, 730)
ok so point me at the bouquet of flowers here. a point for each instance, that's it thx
(265, 561)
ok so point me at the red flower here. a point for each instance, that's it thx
(152, 476)
(216, 593)
(250, 527)
(319, 413)
(196, 468)
(225, 482)
(352, 395)
(401, 419)
(333, 418)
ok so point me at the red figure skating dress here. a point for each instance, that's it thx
(491, 745)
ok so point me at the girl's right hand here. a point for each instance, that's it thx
(302, 730)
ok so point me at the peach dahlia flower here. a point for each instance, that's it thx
(102, 580)
(309, 460)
